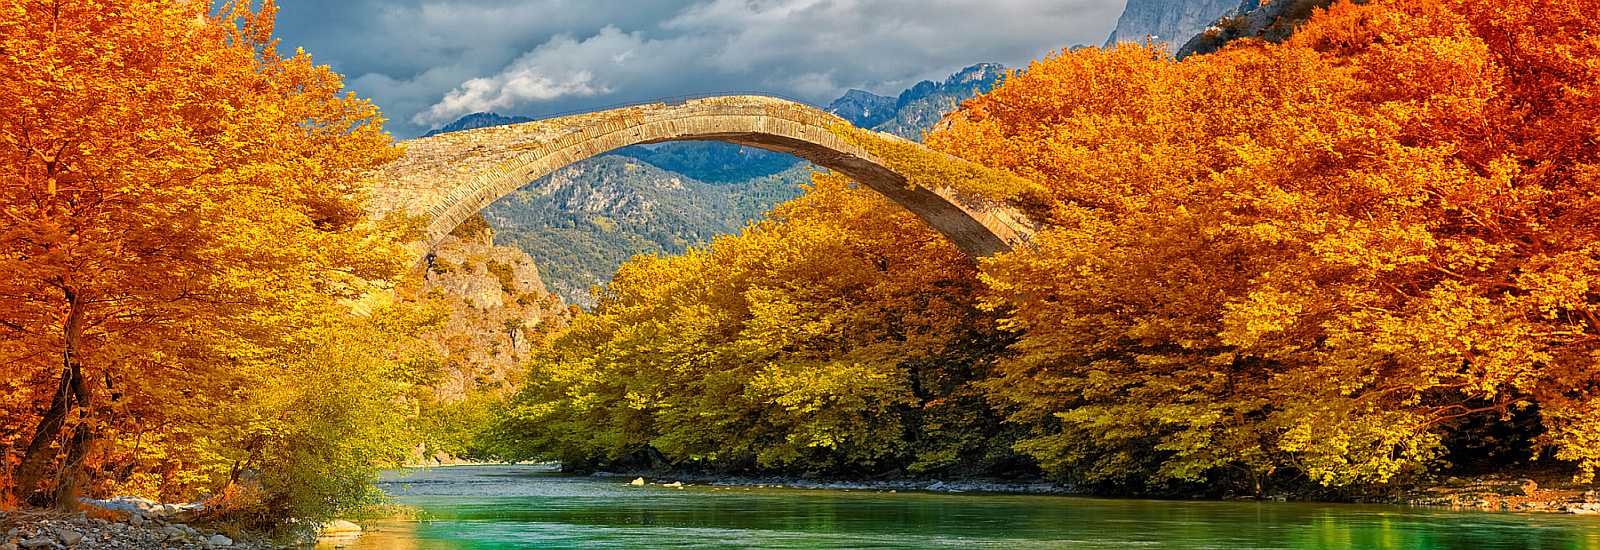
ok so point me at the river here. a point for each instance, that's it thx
(514, 507)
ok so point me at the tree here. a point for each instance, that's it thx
(178, 197)
(1318, 257)
(815, 341)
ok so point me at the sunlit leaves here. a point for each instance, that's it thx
(1322, 255)
(197, 193)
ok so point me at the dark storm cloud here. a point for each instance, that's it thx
(428, 62)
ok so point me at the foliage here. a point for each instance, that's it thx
(801, 344)
(184, 234)
(935, 170)
(1327, 258)
(1320, 257)
(332, 410)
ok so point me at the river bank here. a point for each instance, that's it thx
(1030, 487)
(50, 530)
(1488, 493)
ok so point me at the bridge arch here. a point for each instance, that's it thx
(449, 177)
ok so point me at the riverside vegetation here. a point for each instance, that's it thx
(1353, 260)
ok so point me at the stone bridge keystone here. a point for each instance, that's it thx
(449, 177)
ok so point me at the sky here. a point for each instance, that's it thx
(428, 62)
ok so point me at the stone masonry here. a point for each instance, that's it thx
(447, 178)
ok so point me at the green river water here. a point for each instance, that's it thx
(504, 507)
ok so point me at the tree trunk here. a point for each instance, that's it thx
(71, 393)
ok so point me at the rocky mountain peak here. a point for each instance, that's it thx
(981, 72)
(863, 108)
(1170, 22)
(477, 120)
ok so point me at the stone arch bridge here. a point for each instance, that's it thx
(449, 177)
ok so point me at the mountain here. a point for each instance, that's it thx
(863, 108)
(475, 121)
(713, 162)
(581, 222)
(1271, 21)
(1171, 22)
(919, 108)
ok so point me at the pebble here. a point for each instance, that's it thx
(69, 537)
(79, 533)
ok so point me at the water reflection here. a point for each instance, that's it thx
(480, 508)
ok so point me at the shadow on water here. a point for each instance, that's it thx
(506, 507)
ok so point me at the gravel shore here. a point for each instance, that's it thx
(45, 530)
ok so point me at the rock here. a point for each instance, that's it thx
(69, 537)
(340, 527)
(219, 540)
(1170, 22)
(674, 485)
(637, 482)
(136, 519)
(38, 542)
(1271, 21)
(8, 546)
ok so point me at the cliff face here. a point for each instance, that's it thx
(498, 311)
(1171, 22)
(1273, 21)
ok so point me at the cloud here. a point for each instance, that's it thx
(426, 62)
(561, 67)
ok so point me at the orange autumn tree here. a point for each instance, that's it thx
(818, 340)
(178, 200)
(1328, 257)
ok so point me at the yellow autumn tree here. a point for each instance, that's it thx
(180, 204)
(814, 341)
(1328, 257)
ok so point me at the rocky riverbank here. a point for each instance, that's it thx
(1032, 487)
(1503, 493)
(1494, 493)
(45, 530)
